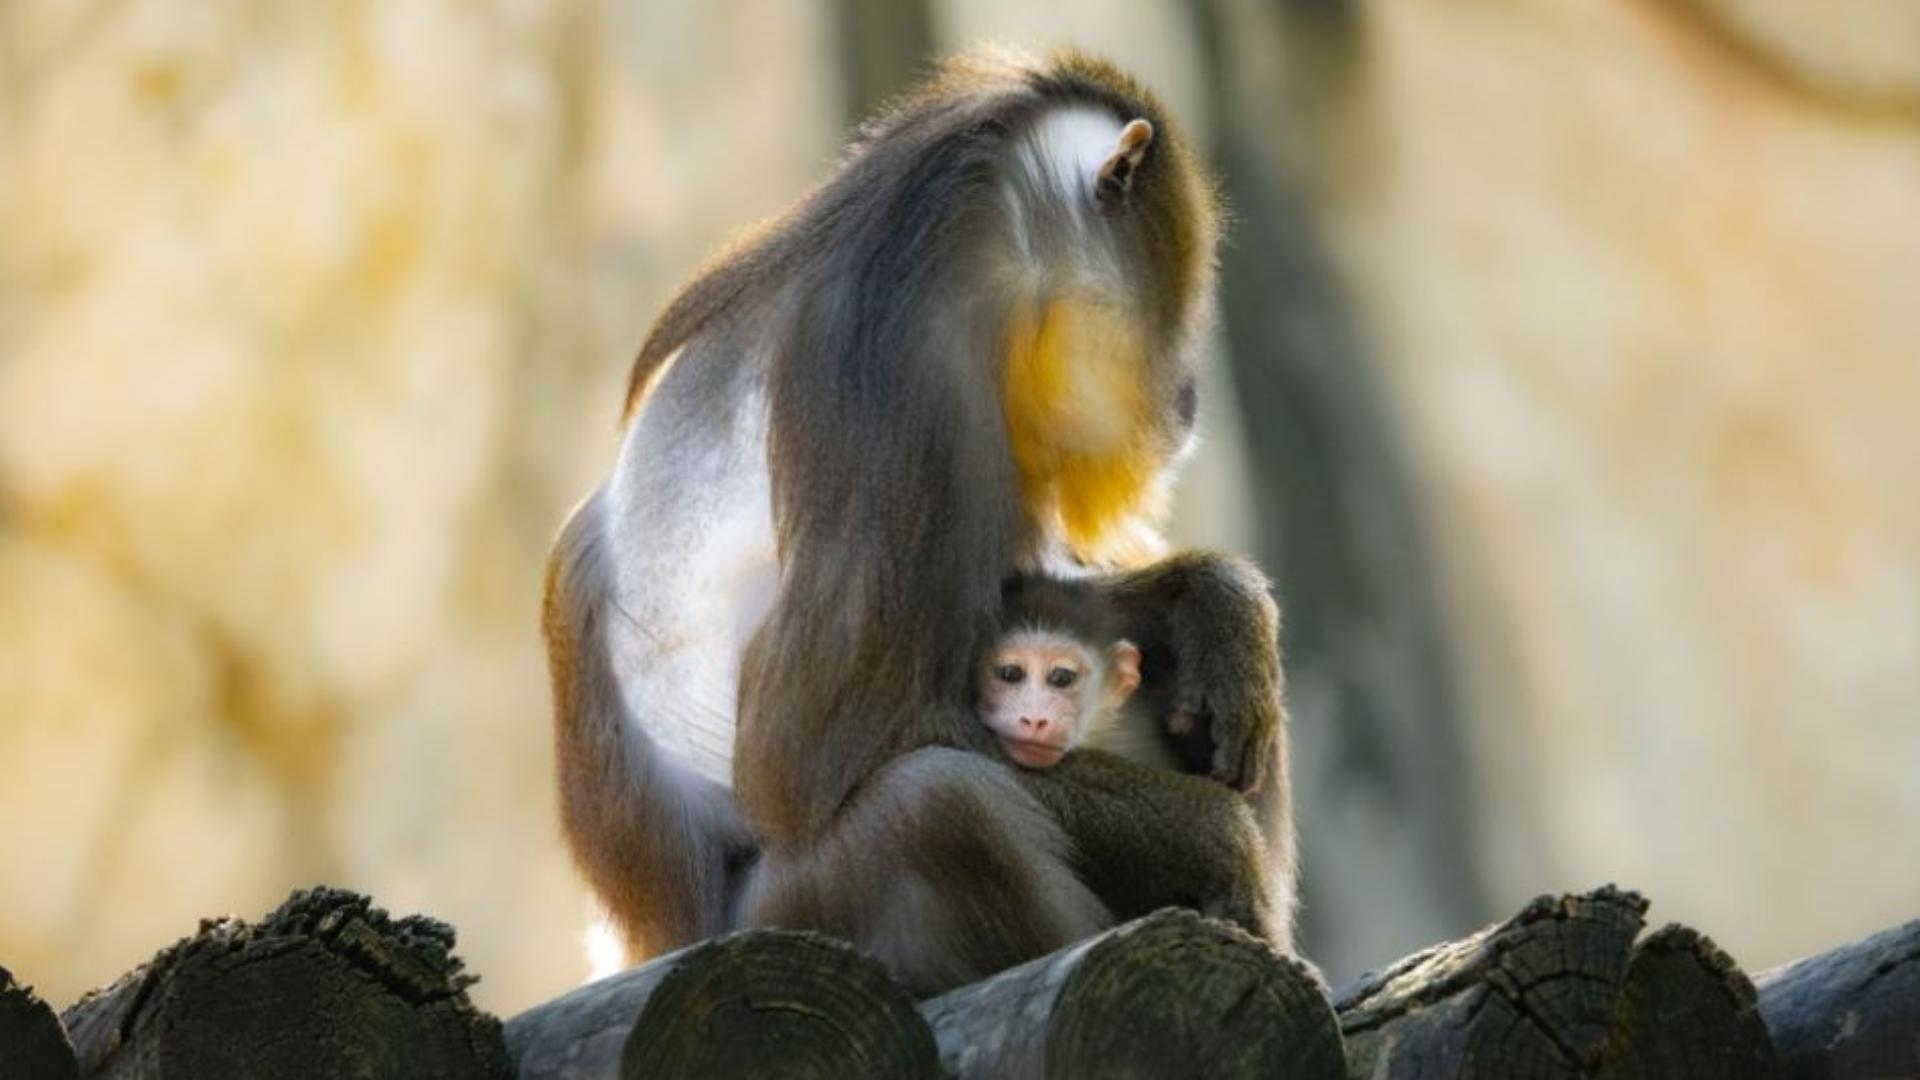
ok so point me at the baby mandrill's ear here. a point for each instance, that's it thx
(1125, 659)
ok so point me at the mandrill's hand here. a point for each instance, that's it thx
(1218, 619)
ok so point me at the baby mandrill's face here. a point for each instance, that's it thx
(1036, 692)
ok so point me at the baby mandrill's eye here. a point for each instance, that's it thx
(1010, 673)
(1060, 678)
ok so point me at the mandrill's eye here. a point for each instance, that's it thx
(1060, 678)
(1010, 673)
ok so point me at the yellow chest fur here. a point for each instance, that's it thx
(1079, 423)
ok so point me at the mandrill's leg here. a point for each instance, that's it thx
(660, 845)
(942, 866)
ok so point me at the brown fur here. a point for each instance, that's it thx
(1145, 838)
(1221, 841)
(858, 768)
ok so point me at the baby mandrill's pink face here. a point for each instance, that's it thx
(1039, 692)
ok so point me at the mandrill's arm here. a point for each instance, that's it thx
(1211, 634)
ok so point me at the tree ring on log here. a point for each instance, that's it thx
(771, 1002)
(327, 985)
(1172, 994)
(1686, 1009)
(1533, 996)
(1219, 1003)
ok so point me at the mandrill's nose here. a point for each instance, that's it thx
(1035, 724)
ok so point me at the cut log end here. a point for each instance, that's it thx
(1532, 996)
(1169, 995)
(1176, 995)
(32, 1042)
(1687, 1010)
(768, 1002)
(327, 985)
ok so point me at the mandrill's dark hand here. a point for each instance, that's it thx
(1219, 621)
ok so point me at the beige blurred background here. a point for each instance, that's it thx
(1569, 383)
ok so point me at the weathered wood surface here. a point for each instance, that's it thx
(325, 986)
(1532, 996)
(1688, 1012)
(760, 1003)
(328, 986)
(32, 1042)
(1168, 995)
(1562, 990)
(1850, 1013)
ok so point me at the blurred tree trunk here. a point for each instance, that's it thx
(883, 45)
(1379, 770)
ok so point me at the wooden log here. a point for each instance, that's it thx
(325, 986)
(752, 1004)
(1851, 1012)
(1687, 1012)
(1533, 996)
(1168, 995)
(32, 1042)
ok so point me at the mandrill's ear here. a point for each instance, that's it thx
(1116, 175)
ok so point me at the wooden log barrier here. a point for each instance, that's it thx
(1169, 995)
(325, 986)
(1687, 1012)
(32, 1042)
(328, 986)
(760, 1003)
(1533, 996)
(1851, 1012)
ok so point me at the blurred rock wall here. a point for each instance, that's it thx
(1646, 281)
(313, 319)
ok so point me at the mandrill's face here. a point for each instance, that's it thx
(1031, 697)
(1040, 692)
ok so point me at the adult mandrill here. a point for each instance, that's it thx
(968, 353)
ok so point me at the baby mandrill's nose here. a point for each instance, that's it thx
(1036, 724)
